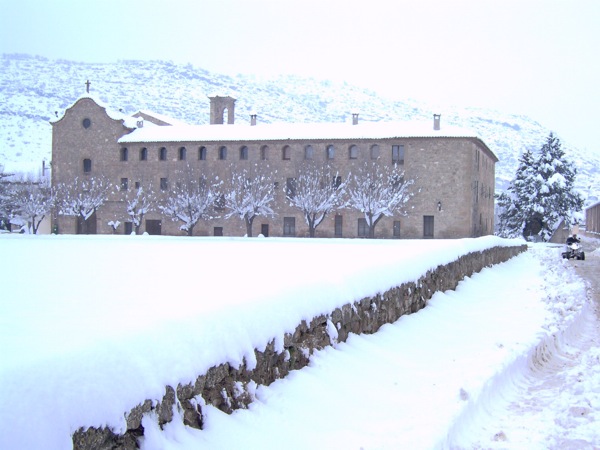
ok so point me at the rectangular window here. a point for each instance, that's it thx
(375, 151)
(164, 184)
(264, 229)
(124, 184)
(337, 181)
(427, 226)
(182, 154)
(124, 154)
(218, 231)
(137, 185)
(286, 153)
(363, 227)
(144, 154)
(290, 187)
(396, 228)
(289, 226)
(128, 228)
(87, 165)
(202, 154)
(338, 225)
(162, 154)
(398, 154)
(244, 153)
(330, 152)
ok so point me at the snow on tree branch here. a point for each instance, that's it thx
(317, 191)
(378, 191)
(250, 193)
(83, 196)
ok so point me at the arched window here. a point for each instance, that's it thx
(353, 152)
(308, 152)
(330, 152)
(162, 154)
(264, 153)
(244, 153)
(124, 154)
(87, 165)
(374, 151)
(223, 153)
(182, 153)
(202, 153)
(144, 154)
(286, 153)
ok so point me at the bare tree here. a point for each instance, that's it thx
(139, 204)
(190, 201)
(317, 191)
(32, 202)
(249, 194)
(82, 198)
(378, 191)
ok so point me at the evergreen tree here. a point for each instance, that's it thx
(541, 195)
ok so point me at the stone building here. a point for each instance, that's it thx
(453, 169)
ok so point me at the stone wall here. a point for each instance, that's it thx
(229, 388)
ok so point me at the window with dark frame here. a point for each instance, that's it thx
(363, 227)
(162, 154)
(264, 153)
(337, 181)
(289, 226)
(286, 153)
(86, 123)
(290, 187)
(124, 184)
(124, 154)
(308, 152)
(223, 153)
(202, 154)
(398, 154)
(374, 151)
(244, 153)
(128, 228)
(338, 225)
(428, 226)
(182, 153)
(353, 152)
(330, 152)
(396, 230)
(144, 154)
(87, 165)
(164, 184)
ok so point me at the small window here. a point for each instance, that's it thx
(87, 165)
(182, 153)
(330, 152)
(124, 184)
(137, 185)
(308, 152)
(124, 154)
(427, 226)
(338, 225)
(398, 154)
(396, 231)
(264, 153)
(290, 187)
(289, 226)
(374, 151)
(218, 231)
(86, 123)
(353, 152)
(363, 227)
(223, 153)
(128, 228)
(144, 154)
(244, 153)
(286, 153)
(337, 181)
(164, 184)
(202, 154)
(162, 154)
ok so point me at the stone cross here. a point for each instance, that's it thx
(87, 86)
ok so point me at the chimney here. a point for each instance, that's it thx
(354, 118)
(253, 119)
(436, 121)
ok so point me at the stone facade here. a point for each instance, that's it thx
(454, 173)
(227, 387)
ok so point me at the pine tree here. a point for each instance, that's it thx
(541, 195)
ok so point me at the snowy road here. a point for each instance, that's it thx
(555, 404)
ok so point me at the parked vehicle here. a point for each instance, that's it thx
(574, 249)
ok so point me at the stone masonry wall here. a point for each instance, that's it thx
(229, 388)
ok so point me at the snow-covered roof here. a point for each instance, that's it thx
(293, 131)
(128, 121)
(161, 117)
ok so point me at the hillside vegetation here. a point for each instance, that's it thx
(34, 89)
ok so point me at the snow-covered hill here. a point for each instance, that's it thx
(33, 89)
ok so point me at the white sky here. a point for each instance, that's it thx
(534, 57)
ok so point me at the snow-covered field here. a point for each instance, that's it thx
(91, 326)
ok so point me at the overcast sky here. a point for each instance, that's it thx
(539, 58)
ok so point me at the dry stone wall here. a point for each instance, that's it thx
(229, 388)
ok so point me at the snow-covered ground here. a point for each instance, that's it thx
(91, 326)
